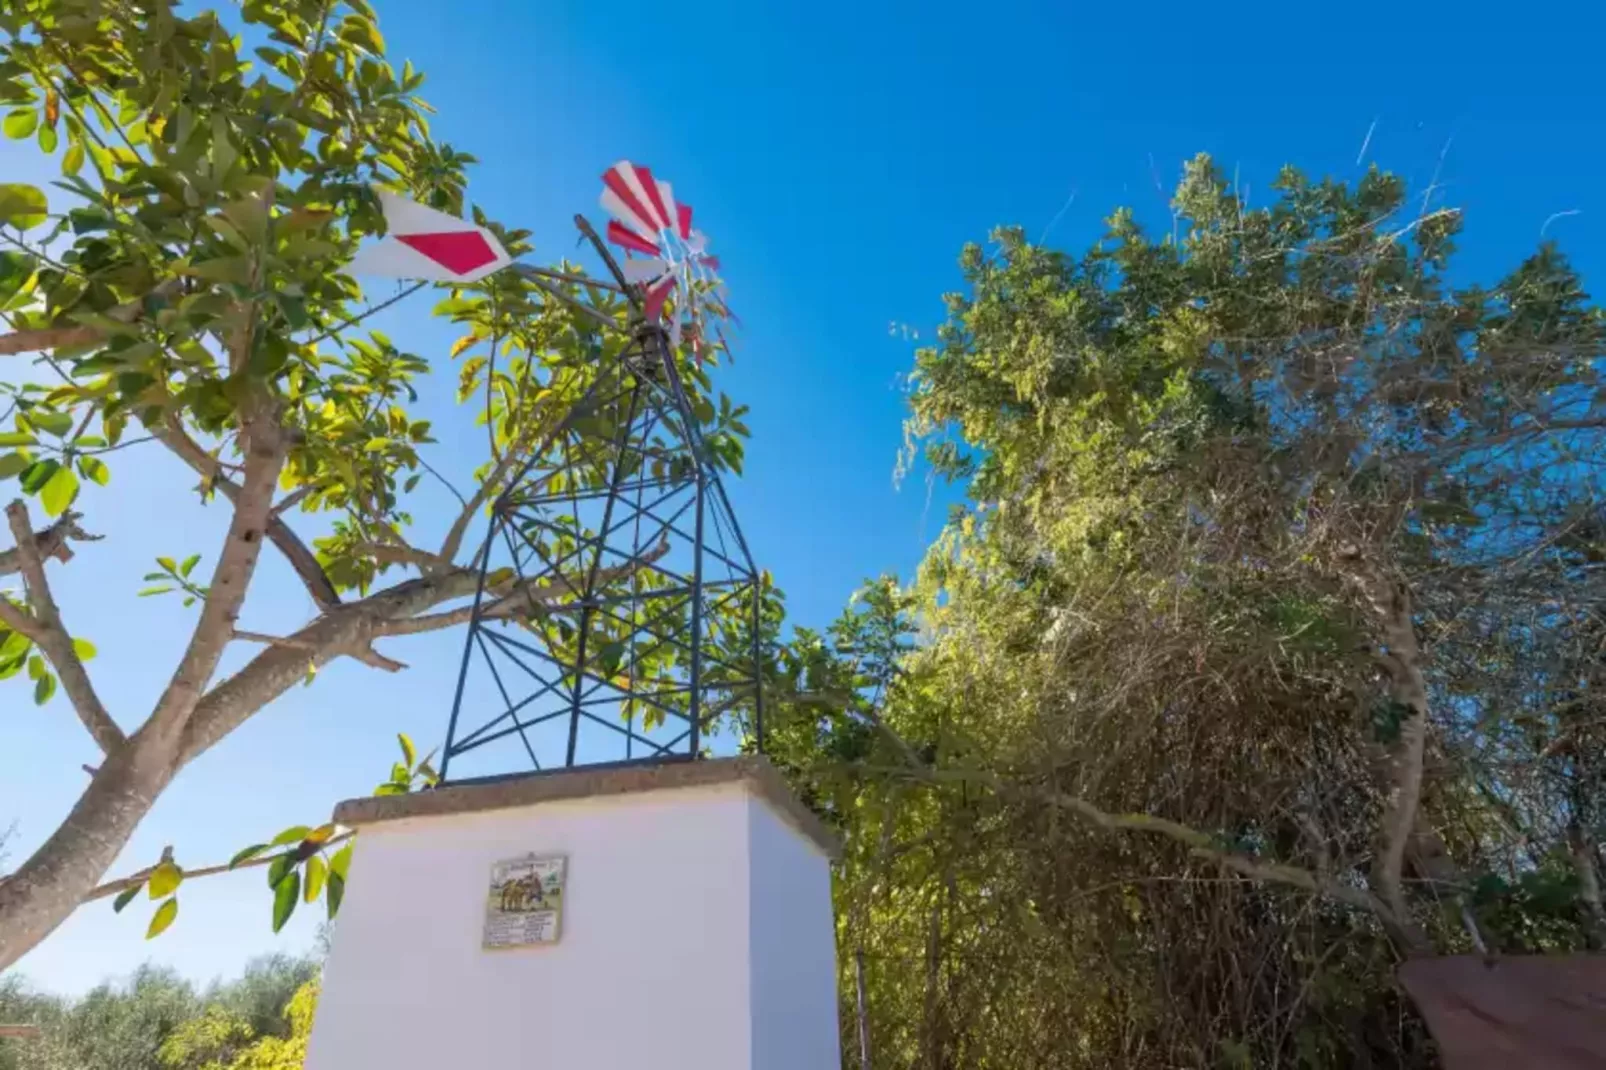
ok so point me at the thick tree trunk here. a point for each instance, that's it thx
(49, 886)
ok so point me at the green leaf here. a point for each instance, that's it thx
(188, 565)
(281, 865)
(55, 423)
(146, 592)
(36, 667)
(246, 854)
(337, 892)
(11, 464)
(340, 864)
(42, 690)
(18, 438)
(72, 161)
(48, 139)
(293, 834)
(59, 491)
(165, 879)
(236, 269)
(21, 205)
(84, 649)
(125, 897)
(163, 918)
(317, 870)
(409, 755)
(20, 123)
(167, 563)
(93, 468)
(285, 895)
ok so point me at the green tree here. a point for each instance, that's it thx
(191, 299)
(157, 1021)
(114, 1026)
(1259, 656)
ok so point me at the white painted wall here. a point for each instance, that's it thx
(792, 946)
(697, 935)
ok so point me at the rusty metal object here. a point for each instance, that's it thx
(1537, 1012)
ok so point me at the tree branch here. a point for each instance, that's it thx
(48, 633)
(293, 499)
(1389, 603)
(1198, 843)
(134, 880)
(283, 537)
(266, 445)
(346, 629)
(511, 598)
(488, 487)
(387, 554)
(51, 542)
(44, 339)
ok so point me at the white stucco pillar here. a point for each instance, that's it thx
(693, 927)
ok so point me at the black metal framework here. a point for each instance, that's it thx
(617, 616)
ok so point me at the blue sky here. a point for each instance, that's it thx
(838, 156)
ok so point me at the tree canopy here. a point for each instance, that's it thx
(155, 1020)
(190, 296)
(1263, 651)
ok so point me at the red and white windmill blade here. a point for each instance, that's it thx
(648, 220)
(422, 243)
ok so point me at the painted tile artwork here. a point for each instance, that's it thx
(524, 904)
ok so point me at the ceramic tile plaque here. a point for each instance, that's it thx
(524, 905)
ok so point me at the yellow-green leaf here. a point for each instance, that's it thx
(340, 864)
(21, 123)
(59, 491)
(162, 919)
(47, 139)
(409, 754)
(84, 649)
(293, 834)
(321, 834)
(72, 161)
(165, 879)
(313, 886)
(22, 205)
(93, 468)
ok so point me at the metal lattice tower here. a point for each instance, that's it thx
(618, 610)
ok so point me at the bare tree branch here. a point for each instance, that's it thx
(266, 445)
(48, 633)
(388, 554)
(293, 499)
(283, 537)
(1198, 843)
(271, 640)
(51, 542)
(512, 598)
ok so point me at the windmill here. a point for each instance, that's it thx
(617, 616)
